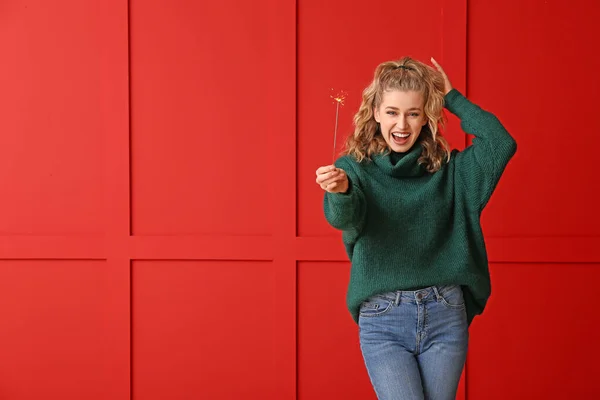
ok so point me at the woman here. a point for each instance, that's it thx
(409, 209)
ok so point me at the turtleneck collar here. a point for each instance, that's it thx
(401, 165)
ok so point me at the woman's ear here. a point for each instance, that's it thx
(376, 114)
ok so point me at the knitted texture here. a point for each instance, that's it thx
(404, 228)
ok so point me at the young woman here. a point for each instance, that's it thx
(409, 211)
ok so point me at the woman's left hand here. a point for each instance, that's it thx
(447, 85)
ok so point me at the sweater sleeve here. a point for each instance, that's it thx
(480, 166)
(346, 211)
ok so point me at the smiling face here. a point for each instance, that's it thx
(401, 117)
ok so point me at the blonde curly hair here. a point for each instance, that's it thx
(405, 74)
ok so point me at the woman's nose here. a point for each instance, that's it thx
(402, 122)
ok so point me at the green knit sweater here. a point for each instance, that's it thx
(404, 228)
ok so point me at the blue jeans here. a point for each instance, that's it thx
(414, 343)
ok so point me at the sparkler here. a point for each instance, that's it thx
(338, 100)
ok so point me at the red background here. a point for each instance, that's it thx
(161, 234)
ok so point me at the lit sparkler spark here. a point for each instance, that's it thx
(339, 98)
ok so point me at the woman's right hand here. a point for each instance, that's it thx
(447, 84)
(332, 179)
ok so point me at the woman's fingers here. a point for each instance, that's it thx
(325, 169)
(333, 183)
(331, 179)
(321, 178)
(338, 178)
(438, 66)
(447, 84)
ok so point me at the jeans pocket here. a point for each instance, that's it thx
(375, 306)
(452, 297)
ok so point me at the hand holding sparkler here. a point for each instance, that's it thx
(332, 179)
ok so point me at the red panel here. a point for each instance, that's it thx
(330, 365)
(280, 127)
(53, 113)
(538, 337)
(199, 112)
(532, 64)
(62, 332)
(201, 247)
(52, 247)
(203, 330)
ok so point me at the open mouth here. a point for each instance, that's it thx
(400, 137)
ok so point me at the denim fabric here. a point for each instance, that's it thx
(414, 343)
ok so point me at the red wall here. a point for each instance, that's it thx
(161, 234)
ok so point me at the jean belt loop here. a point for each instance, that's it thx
(437, 294)
(398, 295)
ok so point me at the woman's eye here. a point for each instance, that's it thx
(414, 115)
(391, 113)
